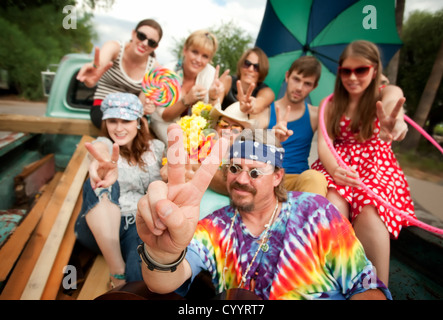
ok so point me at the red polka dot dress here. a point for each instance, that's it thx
(379, 170)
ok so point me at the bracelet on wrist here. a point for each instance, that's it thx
(152, 264)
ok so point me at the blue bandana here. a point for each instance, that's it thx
(256, 151)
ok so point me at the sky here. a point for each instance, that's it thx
(179, 18)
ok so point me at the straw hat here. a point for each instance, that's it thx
(232, 112)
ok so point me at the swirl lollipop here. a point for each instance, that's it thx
(162, 86)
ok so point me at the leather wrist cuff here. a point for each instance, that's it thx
(152, 264)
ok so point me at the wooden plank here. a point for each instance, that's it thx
(30, 168)
(23, 269)
(56, 275)
(97, 280)
(38, 124)
(39, 276)
(11, 250)
(10, 140)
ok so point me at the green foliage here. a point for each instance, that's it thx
(20, 59)
(33, 36)
(427, 159)
(421, 36)
(232, 42)
(438, 129)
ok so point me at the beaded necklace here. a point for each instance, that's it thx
(263, 246)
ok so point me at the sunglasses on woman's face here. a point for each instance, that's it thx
(142, 37)
(359, 72)
(248, 63)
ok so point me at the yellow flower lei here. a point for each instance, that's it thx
(194, 138)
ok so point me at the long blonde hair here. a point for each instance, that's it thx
(362, 119)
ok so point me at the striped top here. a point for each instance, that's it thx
(116, 79)
(312, 253)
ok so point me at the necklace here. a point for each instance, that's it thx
(263, 246)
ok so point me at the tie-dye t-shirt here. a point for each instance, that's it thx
(312, 253)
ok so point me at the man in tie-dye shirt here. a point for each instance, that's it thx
(279, 245)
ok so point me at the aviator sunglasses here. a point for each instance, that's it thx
(359, 72)
(142, 37)
(253, 173)
(248, 63)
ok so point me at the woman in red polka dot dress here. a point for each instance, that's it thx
(362, 121)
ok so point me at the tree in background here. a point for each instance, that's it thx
(392, 69)
(34, 36)
(232, 42)
(420, 71)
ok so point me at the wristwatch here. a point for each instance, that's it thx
(152, 264)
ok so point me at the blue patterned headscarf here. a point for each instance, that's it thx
(256, 151)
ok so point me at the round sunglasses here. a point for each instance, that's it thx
(359, 72)
(253, 173)
(142, 37)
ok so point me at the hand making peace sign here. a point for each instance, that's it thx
(103, 173)
(392, 127)
(90, 73)
(168, 214)
(246, 101)
(281, 124)
(217, 89)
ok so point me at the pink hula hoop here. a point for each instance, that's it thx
(410, 219)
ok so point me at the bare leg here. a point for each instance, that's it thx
(338, 201)
(104, 222)
(372, 233)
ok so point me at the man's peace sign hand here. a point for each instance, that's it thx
(168, 214)
(281, 125)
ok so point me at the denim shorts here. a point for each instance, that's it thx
(129, 239)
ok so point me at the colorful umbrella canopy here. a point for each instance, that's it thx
(323, 28)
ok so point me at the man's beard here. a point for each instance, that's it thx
(248, 207)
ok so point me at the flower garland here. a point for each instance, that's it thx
(198, 137)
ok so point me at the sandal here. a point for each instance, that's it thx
(121, 277)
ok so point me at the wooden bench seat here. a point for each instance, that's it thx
(34, 257)
(97, 280)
